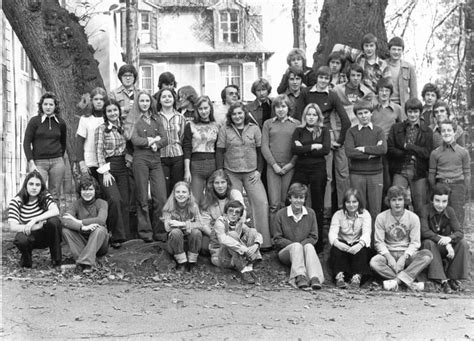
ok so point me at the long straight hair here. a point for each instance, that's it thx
(23, 193)
(210, 197)
(190, 207)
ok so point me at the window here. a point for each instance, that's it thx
(231, 74)
(146, 78)
(144, 25)
(25, 62)
(229, 26)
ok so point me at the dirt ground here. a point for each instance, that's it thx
(136, 294)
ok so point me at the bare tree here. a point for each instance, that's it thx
(298, 18)
(131, 19)
(346, 22)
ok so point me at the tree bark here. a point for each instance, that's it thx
(298, 17)
(346, 22)
(57, 46)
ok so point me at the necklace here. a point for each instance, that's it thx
(437, 223)
(397, 219)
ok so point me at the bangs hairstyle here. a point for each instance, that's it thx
(95, 92)
(210, 197)
(158, 97)
(279, 100)
(356, 193)
(297, 190)
(430, 87)
(440, 189)
(166, 78)
(338, 55)
(23, 193)
(395, 192)
(111, 101)
(127, 68)
(200, 100)
(48, 95)
(368, 38)
(323, 71)
(188, 93)
(451, 123)
(190, 206)
(355, 67)
(296, 52)
(318, 111)
(396, 41)
(152, 109)
(234, 204)
(413, 104)
(296, 71)
(86, 182)
(263, 84)
(442, 104)
(362, 104)
(384, 83)
(231, 110)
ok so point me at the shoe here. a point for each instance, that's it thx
(301, 282)
(247, 277)
(26, 260)
(180, 267)
(116, 245)
(455, 284)
(355, 281)
(315, 283)
(191, 267)
(390, 285)
(430, 287)
(446, 287)
(86, 269)
(417, 286)
(340, 283)
(56, 264)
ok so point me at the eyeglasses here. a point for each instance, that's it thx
(127, 75)
(234, 211)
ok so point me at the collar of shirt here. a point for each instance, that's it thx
(433, 212)
(416, 125)
(451, 145)
(290, 213)
(44, 117)
(289, 93)
(360, 126)
(349, 217)
(111, 126)
(121, 88)
(389, 105)
(314, 89)
(287, 118)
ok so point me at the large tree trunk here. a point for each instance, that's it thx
(58, 49)
(346, 22)
(131, 15)
(469, 25)
(298, 17)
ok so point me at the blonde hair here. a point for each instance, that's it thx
(190, 207)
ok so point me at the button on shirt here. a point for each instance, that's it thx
(174, 128)
(110, 142)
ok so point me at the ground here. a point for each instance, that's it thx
(136, 294)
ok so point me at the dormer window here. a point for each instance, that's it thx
(229, 27)
(144, 25)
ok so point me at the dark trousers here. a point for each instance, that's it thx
(456, 268)
(173, 167)
(117, 196)
(315, 177)
(147, 169)
(350, 264)
(48, 236)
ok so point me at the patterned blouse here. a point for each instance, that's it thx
(110, 141)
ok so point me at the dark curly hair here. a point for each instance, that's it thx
(23, 193)
(231, 110)
(48, 95)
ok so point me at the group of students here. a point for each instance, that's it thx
(194, 160)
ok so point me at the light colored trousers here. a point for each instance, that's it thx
(85, 248)
(303, 261)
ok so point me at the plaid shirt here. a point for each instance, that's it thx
(109, 141)
(174, 128)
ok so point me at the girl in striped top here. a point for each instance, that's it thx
(33, 214)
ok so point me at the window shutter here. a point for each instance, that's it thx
(249, 75)
(212, 81)
(154, 31)
(158, 69)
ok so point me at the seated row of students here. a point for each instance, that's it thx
(398, 234)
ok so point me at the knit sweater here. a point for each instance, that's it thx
(373, 139)
(93, 212)
(45, 140)
(276, 141)
(287, 231)
(306, 156)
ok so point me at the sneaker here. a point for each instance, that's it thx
(86, 269)
(301, 282)
(446, 287)
(26, 260)
(417, 286)
(355, 281)
(247, 277)
(390, 285)
(340, 283)
(455, 284)
(315, 283)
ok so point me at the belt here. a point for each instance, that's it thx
(449, 181)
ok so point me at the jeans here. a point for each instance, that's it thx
(48, 236)
(277, 191)
(457, 268)
(176, 245)
(413, 266)
(315, 177)
(85, 247)
(201, 170)
(418, 188)
(341, 261)
(117, 196)
(337, 160)
(52, 171)
(457, 200)
(303, 261)
(147, 170)
(228, 258)
(173, 168)
(370, 188)
(258, 203)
